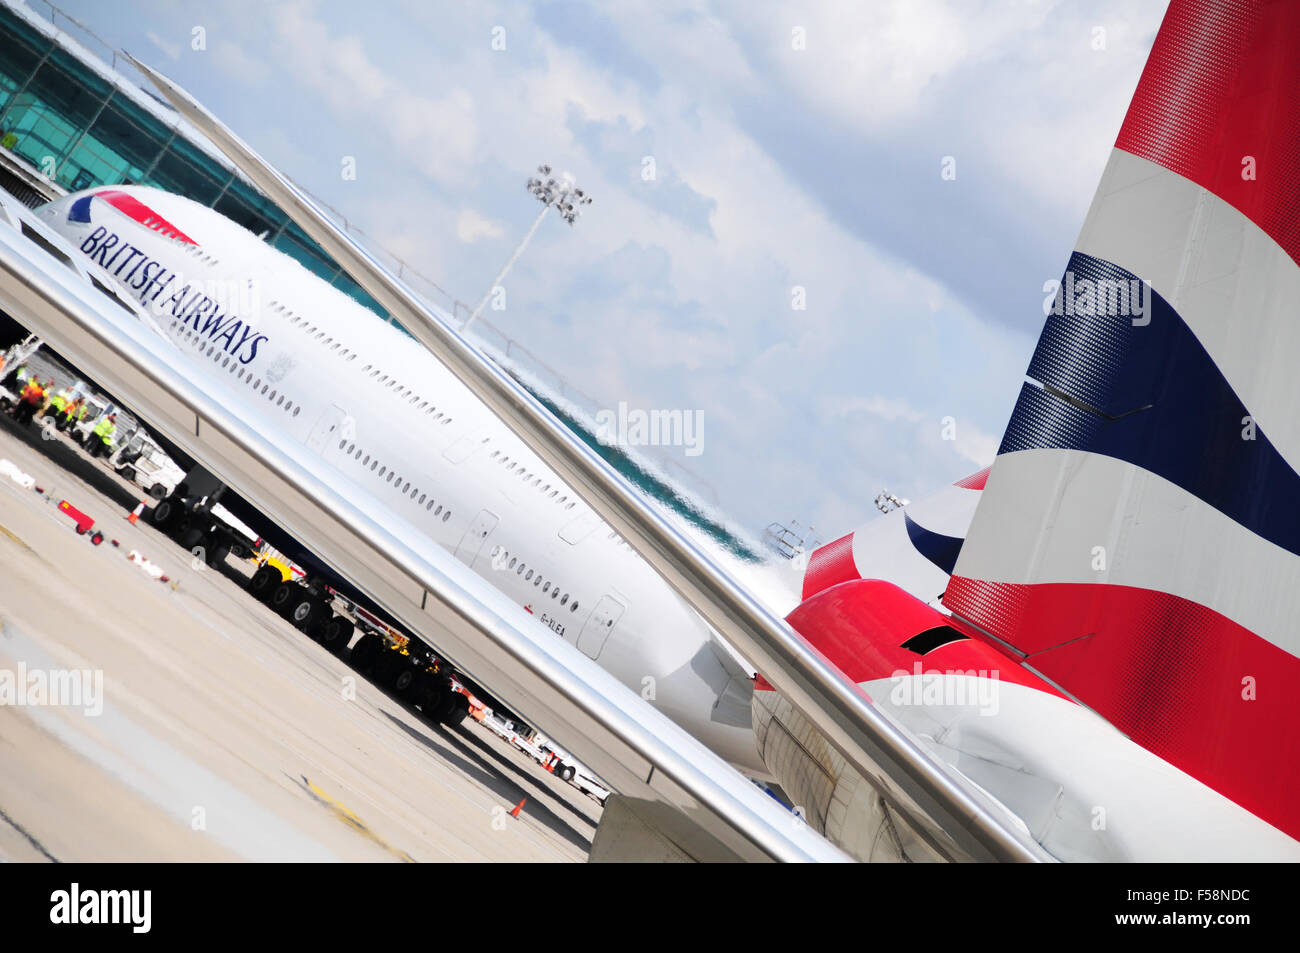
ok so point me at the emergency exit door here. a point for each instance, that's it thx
(601, 622)
(328, 427)
(471, 544)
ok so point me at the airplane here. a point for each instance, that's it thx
(701, 809)
(308, 364)
(1061, 642)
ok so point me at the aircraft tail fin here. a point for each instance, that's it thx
(1138, 540)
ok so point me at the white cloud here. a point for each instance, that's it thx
(437, 134)
(472, 227)
(235, 60)
(172, 50)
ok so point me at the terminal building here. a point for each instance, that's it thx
(76, 123)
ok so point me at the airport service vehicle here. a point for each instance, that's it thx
(568, 768)
(15, 357)
(1094, 637)
(590, 785)
(142, 461)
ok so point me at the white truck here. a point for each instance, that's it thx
(568, 768)
(141, 461)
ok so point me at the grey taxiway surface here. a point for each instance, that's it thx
(225, 734)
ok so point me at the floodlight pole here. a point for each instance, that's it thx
(561, 194)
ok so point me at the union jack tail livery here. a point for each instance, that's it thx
(1133, 561)
(1138, 540)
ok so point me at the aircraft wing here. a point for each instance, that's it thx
(710, 811)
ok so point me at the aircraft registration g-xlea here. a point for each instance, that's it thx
(1095, 636)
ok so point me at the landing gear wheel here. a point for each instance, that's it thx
(283, 598)
(217, 551)
(403, 680)
(363, 653)
(456, 709)
(429, 698)
(384, 664)
(191, 536)
(307, 612)
(264, 582)
(165, 513)
(336, 633)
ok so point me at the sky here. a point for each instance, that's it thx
(821, 228)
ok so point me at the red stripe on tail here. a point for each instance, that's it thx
(1219, 104)
(830, 565)
(1186, 683)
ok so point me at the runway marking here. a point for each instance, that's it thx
(17, 539)
(30, 839)
(350, 818)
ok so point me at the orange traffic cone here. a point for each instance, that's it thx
(518, 807)
(135, 513)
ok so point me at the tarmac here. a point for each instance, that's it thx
(220, 732)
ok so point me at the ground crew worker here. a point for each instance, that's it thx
(57, 403)
(16, 378)
(70, 412)
(104, 430)
(47, 392)
(32, 397)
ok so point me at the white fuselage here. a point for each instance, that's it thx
(304, 362)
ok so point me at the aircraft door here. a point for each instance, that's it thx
(601, 622)
(328, 427)
(471, 544)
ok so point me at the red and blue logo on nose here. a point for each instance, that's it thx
(131, 207)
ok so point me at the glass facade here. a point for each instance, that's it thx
(81, 131)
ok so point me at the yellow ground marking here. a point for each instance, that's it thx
(350, 818)
(17, 539)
